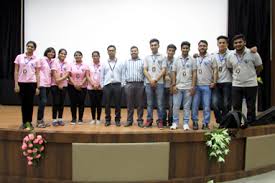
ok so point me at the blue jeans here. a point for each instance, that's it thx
(43, 97)
(154, 94)
(184, 97)
(204, 93)
(221, 100)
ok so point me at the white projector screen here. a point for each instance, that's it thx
(89, 25)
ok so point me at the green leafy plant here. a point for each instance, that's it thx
(217, 142)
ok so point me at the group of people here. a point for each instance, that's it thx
(222, 79)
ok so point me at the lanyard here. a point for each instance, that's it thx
(26, 63)
(240, 59)
(154, 58)
(96, 68)
(49, 63)
(112, 69)
(78, 66)
(200, 61)
(62, 65)
(184, 60)
(221, 58)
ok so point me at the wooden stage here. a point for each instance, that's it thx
(57, 166)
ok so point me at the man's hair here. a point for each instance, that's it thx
(172, 46)
(185, 43)
(203, 41)
(154, 40)
(239, 36)
(111, 46)
(222, 37)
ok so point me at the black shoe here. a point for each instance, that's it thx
(129, 123)
(140, 124)
(118, 123)
(205, 127)
(195, 126)
(73, 122)
(107, 123)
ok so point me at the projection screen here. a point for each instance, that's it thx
(89, 25)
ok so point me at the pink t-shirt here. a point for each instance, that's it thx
(27, 66)
(45, 72)
(78, 73)
(95, 74)
(61, 68)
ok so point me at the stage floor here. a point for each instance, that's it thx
(10, 118)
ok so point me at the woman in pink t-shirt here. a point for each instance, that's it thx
(60, 69)
(94, 87)
(45, 83)
(26, 80)
(77, 87)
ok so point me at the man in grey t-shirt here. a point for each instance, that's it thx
(245, 67)
(184, 82)
(206, 80)
(154, 70)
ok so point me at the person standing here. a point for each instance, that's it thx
(206, 80)
(245, 66)
(154, 70)
(77, 87)
(60, 70)
(94, 88)
(221, 96)
(26, 81)
(184, 73)
(168, 93)
(111, 81)
(45, 84)
(134, 88)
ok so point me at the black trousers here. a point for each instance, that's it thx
(77, 98)
(112, 91)
(249, 93)
(27, 92)
(134, 96)
(58, 96)
(96, 103)
(221, 100)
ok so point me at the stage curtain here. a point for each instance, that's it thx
(10, 21)
(252, 18)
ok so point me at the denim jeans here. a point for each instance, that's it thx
(221, 100)
(43, 97)
(182, 96)
(154, 94)
(202, 92)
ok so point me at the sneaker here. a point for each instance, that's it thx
(205, 127)
(73, 122)
(92, 122)
(80, 122)
(160, 125)
(98, 122)
(186, 127)
(148, 123)
(55, 122)
(60, 122)
(195, 126)
(174, 126)
(41, 124)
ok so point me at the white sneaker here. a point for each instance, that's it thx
(186, 127)
(98, 122)
(92, 122)
(174, 126)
